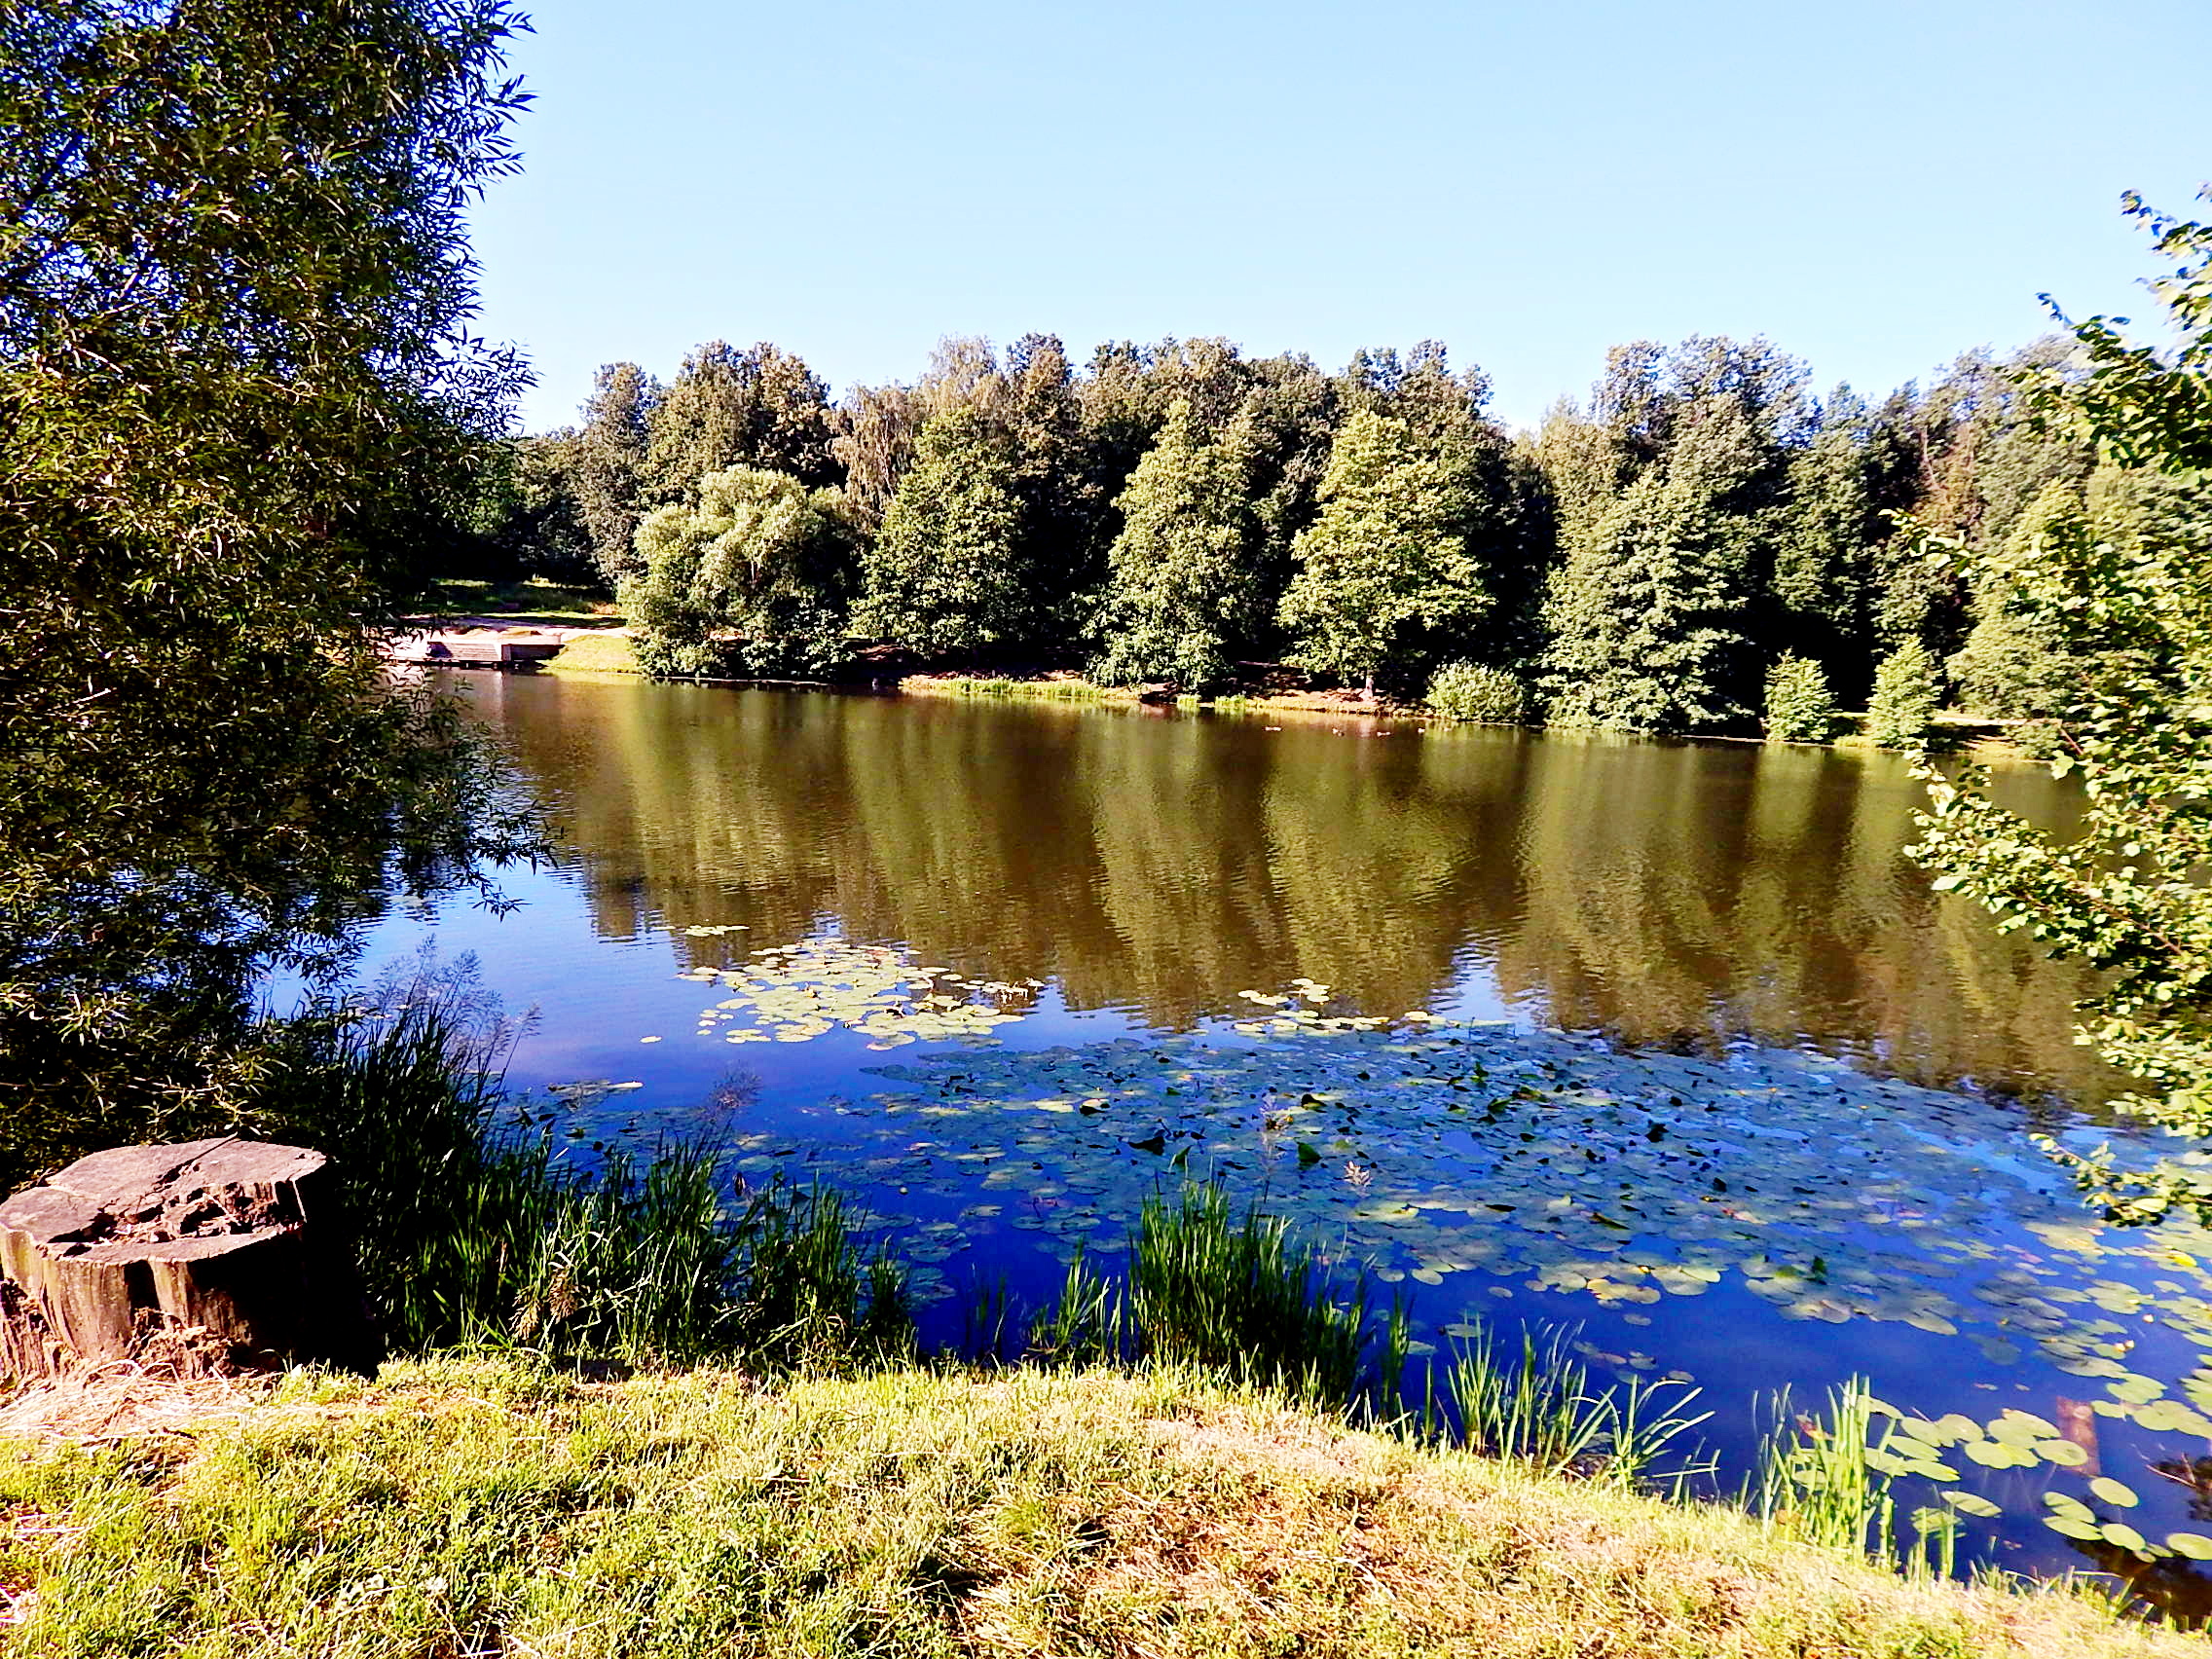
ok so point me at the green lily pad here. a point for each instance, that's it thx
(1971, 1503)
(2113, 1491)
(1996, 1454)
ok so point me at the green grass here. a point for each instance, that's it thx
(1057, 690)
(1535, 1405)
(1236, 1298)
(477, 1508)
(531, 601)
(594, 653)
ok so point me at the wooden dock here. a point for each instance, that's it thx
(475, 647)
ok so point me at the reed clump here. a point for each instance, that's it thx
(1534, 1403)
(480, 1224)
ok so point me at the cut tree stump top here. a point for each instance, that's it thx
(224, 1240)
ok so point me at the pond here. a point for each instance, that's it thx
(1666, 1041)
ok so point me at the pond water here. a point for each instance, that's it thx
(1665, 1040)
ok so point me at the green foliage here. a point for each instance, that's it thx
(1239, 1300)
(1816, 1479)
(1669, 500)
(2127, 893)
(1182, 592)
(527, 514)
(751, 580)
(1902, 712)
(482, 1222)
(608, 464)
(946, 575)
(761, 409)
(239, 410)
(1471, 691)
(1389, 554)
(1537, 1405)
(1798, 707)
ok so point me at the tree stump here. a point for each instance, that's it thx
(203, 1257)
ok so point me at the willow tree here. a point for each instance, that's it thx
(2127, 893)
(239, 404)
(755, 579)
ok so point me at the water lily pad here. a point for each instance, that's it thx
(2125, 1536)
(2195, 1546)
(2114, 1492)
(1971, 1503)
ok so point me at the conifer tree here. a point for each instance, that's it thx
(1823, 580)
(1182, 594)
(1670, 502)
(946, 575)
(1387, 556)
(1902, 712)
(609, 464)
(1798, 707)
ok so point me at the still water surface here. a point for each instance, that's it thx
(1697, 1062)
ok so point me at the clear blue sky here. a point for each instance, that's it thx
(1875, 186)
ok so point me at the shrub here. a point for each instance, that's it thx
(1467, 691)
(1798, 707)
(1902, 713)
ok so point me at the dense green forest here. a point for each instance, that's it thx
(1701, 544)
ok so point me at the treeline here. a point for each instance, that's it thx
(1700, 546)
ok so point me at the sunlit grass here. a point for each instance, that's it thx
(500, 1507)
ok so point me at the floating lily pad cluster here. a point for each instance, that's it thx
(794, 992)
(1422, 1148)
(1832, 1195)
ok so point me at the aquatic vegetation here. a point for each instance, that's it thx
(1829, 1194)
(1537, 1404)
(791, 993)
(1822, 1480)
(1237, 1298)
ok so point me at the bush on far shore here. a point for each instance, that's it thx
(1469, 691)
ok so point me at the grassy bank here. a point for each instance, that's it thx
(479, 1508)
(594, 653)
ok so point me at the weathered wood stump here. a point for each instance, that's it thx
(203, 1257)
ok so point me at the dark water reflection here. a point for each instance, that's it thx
(1669, 893)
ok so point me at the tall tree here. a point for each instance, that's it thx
(609, 464)
(1823, 580)
(236, 385)
(2129, 891)
(1387, 556)
(1669, 500)
(761, 408)
(526, 512)
(877, 427)
(945, 576)
(1182, 595)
